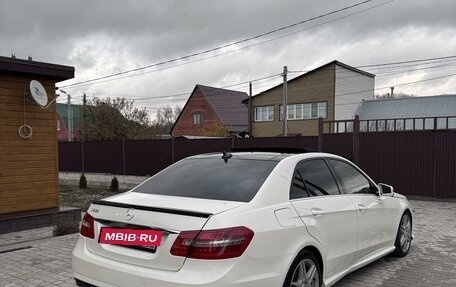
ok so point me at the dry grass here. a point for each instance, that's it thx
(73, 196)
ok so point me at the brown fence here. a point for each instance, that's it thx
(415, 155)
(150, 156)
(415, 162)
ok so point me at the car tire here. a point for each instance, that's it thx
(404, 236)
(305, 269)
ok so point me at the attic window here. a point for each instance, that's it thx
(198, 119)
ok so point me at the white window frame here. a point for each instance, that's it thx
(321, 108)
(198, 118)
(264, 114)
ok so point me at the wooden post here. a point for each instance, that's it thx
(320, 134)
(356, 140)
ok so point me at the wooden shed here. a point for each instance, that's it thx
(29, 179)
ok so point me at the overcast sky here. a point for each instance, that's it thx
(100, 38)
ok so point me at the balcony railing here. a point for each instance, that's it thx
(387, 125)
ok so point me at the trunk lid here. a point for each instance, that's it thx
(168, 213)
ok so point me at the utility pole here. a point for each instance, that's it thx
(250, 109)
(84, 101)
(70, 120)
(285, 101)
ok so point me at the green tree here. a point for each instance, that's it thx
(82, 182)
(115, 119)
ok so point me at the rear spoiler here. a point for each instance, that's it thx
(154, 209)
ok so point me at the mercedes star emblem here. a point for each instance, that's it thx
(130, 214)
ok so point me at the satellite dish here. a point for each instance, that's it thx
(38, 93)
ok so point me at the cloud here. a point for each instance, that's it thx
(103, 37)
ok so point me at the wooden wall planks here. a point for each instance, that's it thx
(28, 168)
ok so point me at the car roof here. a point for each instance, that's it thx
(275, 156)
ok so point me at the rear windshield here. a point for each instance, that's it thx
(211, 178)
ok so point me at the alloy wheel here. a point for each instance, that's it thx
(405, 233)
(305, 274)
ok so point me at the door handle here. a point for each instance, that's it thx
(317, 212)
(362, 208)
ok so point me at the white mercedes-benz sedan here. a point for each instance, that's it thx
(254, 219)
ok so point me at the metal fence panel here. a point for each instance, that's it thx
(103, 157)
(340, 144)
(286, 142)
(415, 162)
(70, 156)
(445, 163)
(188, 147)
(146, 157)
(401, 159)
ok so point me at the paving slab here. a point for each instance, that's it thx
(36, 259)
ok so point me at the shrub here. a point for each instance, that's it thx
(114, 184)
(82, 182)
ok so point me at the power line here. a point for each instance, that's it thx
(410, 61)
(369, 90)
(226, 45)
(417, 61)
(273, 77)
(360, 91)
(381, 74)
(228, 52)
(215, 88)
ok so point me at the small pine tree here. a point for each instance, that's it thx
(114, 184)
(82, 182)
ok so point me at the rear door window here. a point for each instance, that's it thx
(211, 178)
(313, 178)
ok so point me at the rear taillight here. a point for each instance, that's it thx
(87, 226)
(213, 244)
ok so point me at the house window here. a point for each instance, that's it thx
(264, 114)
(198, 118)
(305, 111)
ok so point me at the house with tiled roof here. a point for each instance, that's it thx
(332, 92)
(209, 109)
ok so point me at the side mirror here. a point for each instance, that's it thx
(385, 189)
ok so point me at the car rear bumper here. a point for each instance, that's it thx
(94, 270)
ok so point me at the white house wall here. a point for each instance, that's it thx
(350, 89)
